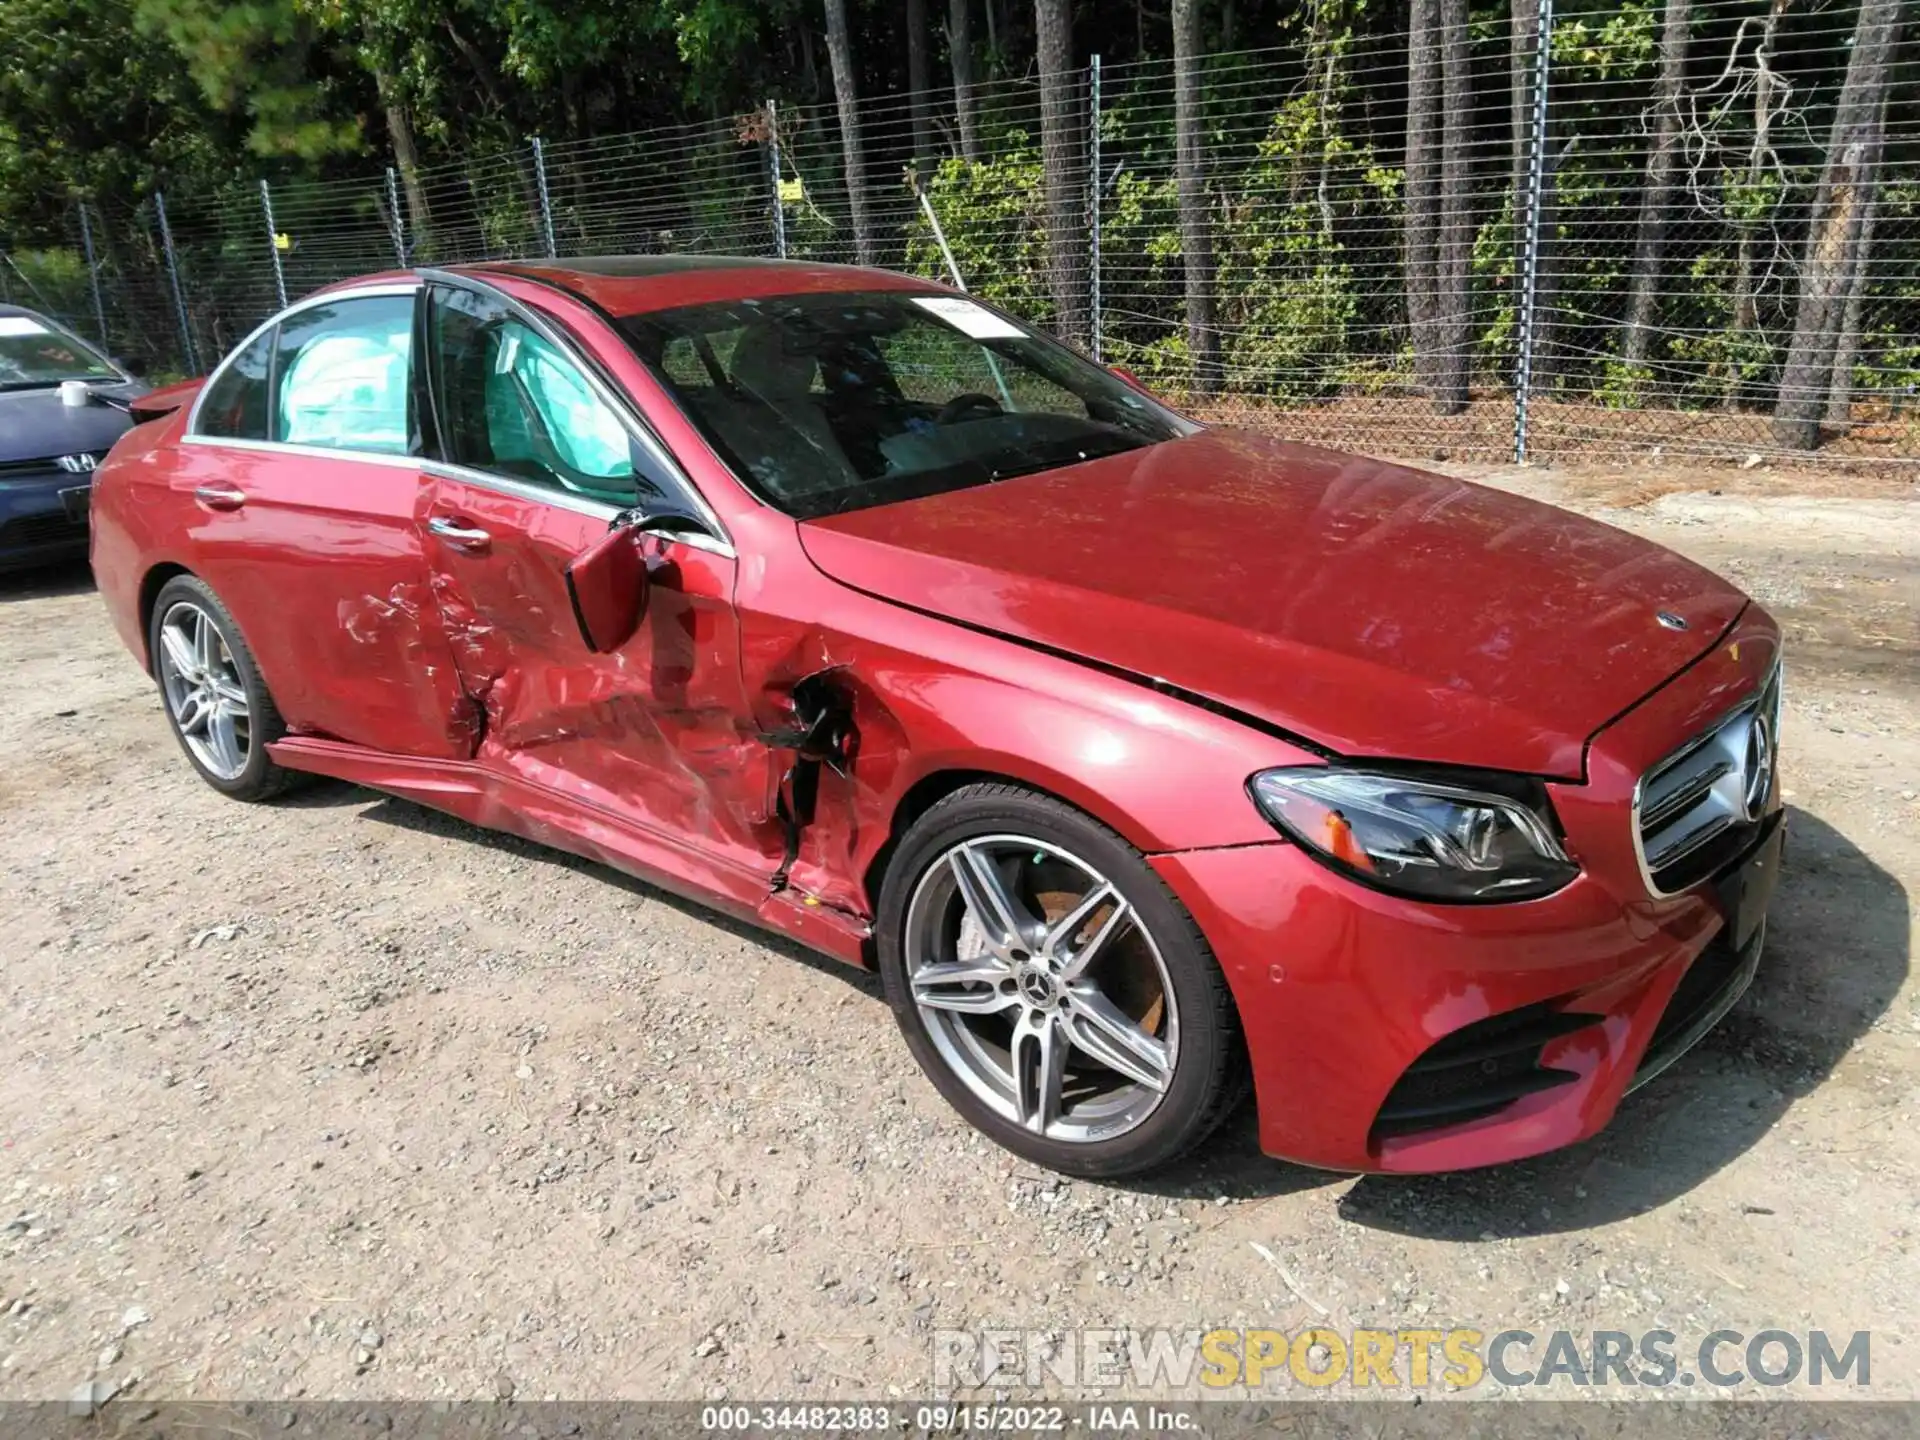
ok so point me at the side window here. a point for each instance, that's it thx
(512, 404)
(343, 375)
(235, 405)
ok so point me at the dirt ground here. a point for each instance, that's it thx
(340, 1098)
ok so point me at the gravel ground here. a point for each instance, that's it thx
(339, 1098)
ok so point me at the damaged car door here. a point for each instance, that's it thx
(536, 463)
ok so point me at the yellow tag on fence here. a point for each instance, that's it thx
(792, 192)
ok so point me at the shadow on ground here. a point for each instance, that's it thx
(43, 582)
(1837, 954)
(406, 815)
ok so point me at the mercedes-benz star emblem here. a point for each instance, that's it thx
(1759, 765)
(1671, 620)
(1035, 987)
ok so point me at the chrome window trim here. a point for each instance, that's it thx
(625, 410)
(325, 297)
(440, 469)
(1774, 685)
(318, 452)
(564, 500)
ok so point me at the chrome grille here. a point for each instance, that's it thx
(1700, 805)
(48, 467)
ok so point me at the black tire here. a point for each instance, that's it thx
(260, 778)
(1210, 1073)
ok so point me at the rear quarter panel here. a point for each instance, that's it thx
(135, 526)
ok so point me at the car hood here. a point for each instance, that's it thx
(1367, 607)
(34, 425)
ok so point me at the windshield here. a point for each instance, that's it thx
(832, 402)
(33, 353)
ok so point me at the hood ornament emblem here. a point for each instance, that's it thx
(1759, 763)
(1671, 620)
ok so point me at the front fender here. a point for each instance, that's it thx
(926, 697)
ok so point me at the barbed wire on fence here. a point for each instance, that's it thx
(1529, 276)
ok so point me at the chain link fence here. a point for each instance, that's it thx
(1592, 236)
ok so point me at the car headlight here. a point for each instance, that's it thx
(1420, 836)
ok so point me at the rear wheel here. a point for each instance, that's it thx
(217, 705)
(1051, 986)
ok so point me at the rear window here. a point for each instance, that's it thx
(234, 406)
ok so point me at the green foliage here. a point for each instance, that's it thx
(85, 112)
(256, 60)
(654, 109)
(1591, 49)
(1496, 252)
(1287, 287)
(1287, 295)
(1726, 358)
(993, 214)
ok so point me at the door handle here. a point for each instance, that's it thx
(462, 537)
(219, 496)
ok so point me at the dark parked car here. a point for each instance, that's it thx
(52, 435)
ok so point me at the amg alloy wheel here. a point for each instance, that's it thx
(1055, 1009)
(203, 690)
(1051, 987)
(217, 705)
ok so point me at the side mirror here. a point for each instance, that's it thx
(1128, 376)
(607, 583)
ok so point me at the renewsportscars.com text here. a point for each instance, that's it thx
(1412, 1359)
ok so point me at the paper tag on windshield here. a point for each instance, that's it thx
(969, 318)
(21, 325)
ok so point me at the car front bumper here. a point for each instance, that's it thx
(1387, 1034)
(40, 522)
(1342, 990)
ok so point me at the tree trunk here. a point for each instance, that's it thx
(1422, 226)
(406, 155)
(919, 81)
(1060, 157)
(960, 48)
(1525, 35)
(1847, 353)
(1453, 312)
(809, 60)
(846, 94)
(1833, 234)
(482, 67)
(1663, 156)
(1196, 238)
(1524, 62)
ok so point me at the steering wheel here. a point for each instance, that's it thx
(972, 405)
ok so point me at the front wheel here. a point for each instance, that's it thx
(1051, 986)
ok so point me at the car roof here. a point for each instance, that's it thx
(623, 285)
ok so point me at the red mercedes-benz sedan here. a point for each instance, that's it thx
(1141, 758)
